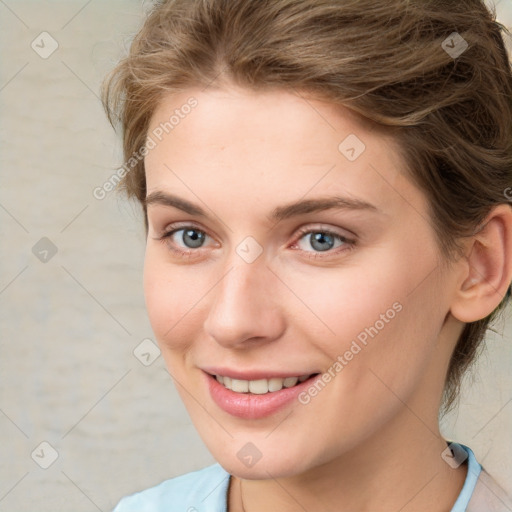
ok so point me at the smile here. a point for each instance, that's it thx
(260, 386)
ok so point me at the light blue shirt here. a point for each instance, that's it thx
(206, 490)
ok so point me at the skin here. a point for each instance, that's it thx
(370, 439)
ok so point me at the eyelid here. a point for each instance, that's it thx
(299, 232)
(344, 234)
(175, 226)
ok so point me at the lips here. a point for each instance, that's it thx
(251, 405)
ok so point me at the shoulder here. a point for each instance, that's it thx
(480, 492)
(488, 496)
(204, 490)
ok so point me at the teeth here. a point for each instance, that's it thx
(290, 381)
(275, 384)
(260, 386)
(240, 386)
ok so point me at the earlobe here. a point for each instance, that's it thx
(488, 268)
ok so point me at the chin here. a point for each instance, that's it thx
(250, 459)
(273, 467)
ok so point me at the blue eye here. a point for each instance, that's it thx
(323, 241)
(192, 238)
(189, 241)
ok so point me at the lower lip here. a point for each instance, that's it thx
(250, 406)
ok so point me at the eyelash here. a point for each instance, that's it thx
(348, 244)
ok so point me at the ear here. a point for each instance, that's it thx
(486, 272)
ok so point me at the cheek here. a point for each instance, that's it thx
(344, 301)
(173, 300)
(384, 314)
(385, 325)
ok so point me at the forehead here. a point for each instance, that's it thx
(286, 143)
(219, 116)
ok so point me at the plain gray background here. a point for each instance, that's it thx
(71, 320)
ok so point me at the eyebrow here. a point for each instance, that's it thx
(279, 213)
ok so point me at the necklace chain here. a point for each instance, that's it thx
(241, 496)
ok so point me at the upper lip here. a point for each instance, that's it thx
(253, 374)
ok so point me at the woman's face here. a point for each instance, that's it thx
(250, 276)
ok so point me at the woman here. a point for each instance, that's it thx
(328, 237)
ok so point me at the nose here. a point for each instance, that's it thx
(244, 306)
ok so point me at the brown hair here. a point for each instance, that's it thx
(389, 61)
